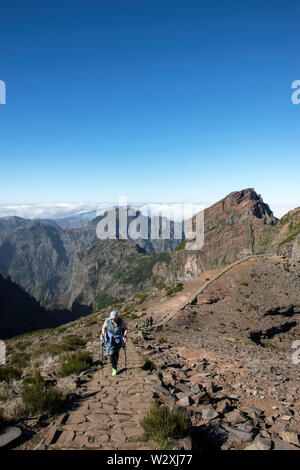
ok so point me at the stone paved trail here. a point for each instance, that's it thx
(108, 413)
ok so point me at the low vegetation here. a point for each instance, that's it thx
(162, 340)
(37, 398)
(148, 364)
(162, 425)
(5, 392)
(173, 289)
(75, 364)
(9, 373)
(69, 343)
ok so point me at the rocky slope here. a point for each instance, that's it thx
(257, 300)
(236, 392)
(286, 240)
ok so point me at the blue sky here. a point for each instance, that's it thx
(158, 100)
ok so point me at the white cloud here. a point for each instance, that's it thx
(46, 210)
(50, 210)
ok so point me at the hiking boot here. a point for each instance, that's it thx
(114, 372)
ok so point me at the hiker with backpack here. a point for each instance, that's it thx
(113, 338)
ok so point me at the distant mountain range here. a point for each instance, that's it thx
(46, 260)
(67, 268)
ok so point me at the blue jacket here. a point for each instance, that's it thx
(113, 337)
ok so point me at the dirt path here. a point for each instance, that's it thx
(171, 307)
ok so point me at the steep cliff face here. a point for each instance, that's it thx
(238, 225)
(39, 255)
(109, 272)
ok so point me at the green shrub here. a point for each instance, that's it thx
(75, 364)
(20, 361)
(37, 398)
(5, 392)
(148, 364)
(181, 246)
(72, 343)
(67, 344)
(35, 379)
(173, 289)
(162, 340)
(161, 425)
(9, 373)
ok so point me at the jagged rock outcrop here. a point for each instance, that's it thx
(238, 225)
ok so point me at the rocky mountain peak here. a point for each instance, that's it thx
(245, 202)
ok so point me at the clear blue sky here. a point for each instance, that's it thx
(159, 100)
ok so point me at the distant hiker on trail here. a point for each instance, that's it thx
(144, 324)
(147, 322)
(151, 321)
(114, 337)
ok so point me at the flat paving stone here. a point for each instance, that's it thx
(76, 418)
(107, 416)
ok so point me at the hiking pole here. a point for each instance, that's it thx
(102, 357)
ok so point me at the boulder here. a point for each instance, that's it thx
(291, 437)
(236, 434)
(209, 414)
(235, 417)
(185, 400)
(8, 435)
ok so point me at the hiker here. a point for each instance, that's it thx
(147, 322)
(114, 337)
(151, 321)
(144, 324)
